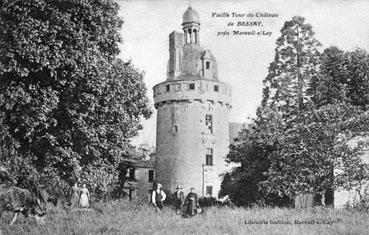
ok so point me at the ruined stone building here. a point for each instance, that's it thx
(193, 107)
(140, 178)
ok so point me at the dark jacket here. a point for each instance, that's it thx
(178, 199)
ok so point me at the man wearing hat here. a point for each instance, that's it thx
(158, 196)
(178, 198)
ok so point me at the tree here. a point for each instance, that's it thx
(304, 162)
(343, 78)
(358, 78)
(296, 141)
(330, 86)
(68, 105)
(285, 93)
(295, 64)
(285, 98)
(250, 151)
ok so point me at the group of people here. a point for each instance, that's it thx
(79, 197)
(188, 206)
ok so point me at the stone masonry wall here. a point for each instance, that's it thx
(182, 136)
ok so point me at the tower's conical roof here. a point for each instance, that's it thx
(191, 15)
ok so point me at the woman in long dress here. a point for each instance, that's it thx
(84, 197)
(191, 204)
(74, 195)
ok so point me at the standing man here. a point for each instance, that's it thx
(178, 197)
(192, 201)
(158, 196)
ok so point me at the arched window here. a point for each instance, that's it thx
(195, 35)
(186, 37)
(190, 35)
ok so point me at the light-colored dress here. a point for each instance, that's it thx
(74, 196)
(83, 200)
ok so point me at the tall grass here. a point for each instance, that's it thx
(123, 217)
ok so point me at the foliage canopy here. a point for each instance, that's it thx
(313, 107)
(68, 104)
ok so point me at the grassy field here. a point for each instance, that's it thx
(122, 217)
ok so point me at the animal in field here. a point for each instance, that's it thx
(18, 200)
(48, 195)
(225, 201)
(211, 201)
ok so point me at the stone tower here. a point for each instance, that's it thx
(192, 115)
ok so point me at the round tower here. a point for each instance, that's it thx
(192, 115)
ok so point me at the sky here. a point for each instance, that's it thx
(242, 60)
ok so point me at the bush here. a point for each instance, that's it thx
(360, 205)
